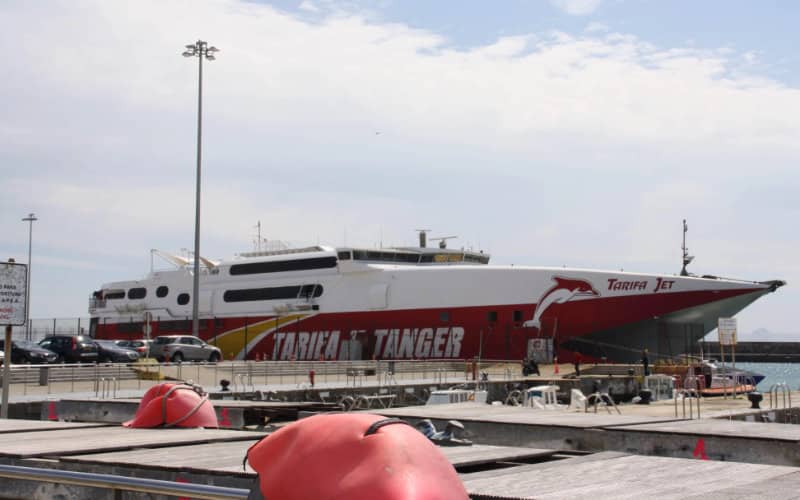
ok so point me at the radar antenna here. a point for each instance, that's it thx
(687, 259)
(443, 240)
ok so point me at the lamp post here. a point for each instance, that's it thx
(202, 51)
(29, 219)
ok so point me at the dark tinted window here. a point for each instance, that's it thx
(282, 266)
(344, 255)
(517, 316)
(444, 316)
(162, 291)
(137, 293)
(115, 295)
(492, 316)
(274, 293)
(183, 299)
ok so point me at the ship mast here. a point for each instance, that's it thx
(687, 259)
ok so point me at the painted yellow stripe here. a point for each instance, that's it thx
(232, 342)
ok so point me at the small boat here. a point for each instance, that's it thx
(717, 380)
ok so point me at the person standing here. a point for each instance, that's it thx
(577, 362)
(645, 363)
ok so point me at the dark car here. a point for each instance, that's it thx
(71, 348)
(109, 351)
(141, 346)
(25, 351)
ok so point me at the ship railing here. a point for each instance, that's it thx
(117, 484)
(782, 389)
(95, 304)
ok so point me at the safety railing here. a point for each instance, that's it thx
(106, 387)
(781, 388)
(118, 484)
(596, 398)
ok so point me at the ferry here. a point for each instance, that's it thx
(351, 303)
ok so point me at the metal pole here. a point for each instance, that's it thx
(6, 372)
(201, 50)
(29, 219)
(196, 282)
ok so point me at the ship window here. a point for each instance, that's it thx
(517, 316)
(344, 255)
(274, 293)
(162, 291)
(491, 316)
(283, 266)
(426, 258)
(444, 316)
(183, 299)
(137, 293)
(115, 295)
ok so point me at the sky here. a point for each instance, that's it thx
(563, 132)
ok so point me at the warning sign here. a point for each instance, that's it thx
(727, 331)
(13, 281)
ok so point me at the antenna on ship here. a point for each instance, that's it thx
(687, 259)
(259, 239)
(423, 235)
(443, 240)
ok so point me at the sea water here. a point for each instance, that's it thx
(774, 373)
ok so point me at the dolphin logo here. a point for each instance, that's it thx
(564, 290)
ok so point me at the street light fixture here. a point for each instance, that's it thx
(29, 219)
(201, 50)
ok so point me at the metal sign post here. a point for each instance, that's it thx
(13, 311)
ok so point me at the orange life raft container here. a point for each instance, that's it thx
(353, 456)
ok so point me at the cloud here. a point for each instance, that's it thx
(555, 148)
(577, 7)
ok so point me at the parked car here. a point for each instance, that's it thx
(183, 348)
(141, 346)
(108, 350)
(25, 351)
(71, 348)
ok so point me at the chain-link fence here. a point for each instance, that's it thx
(37, 329)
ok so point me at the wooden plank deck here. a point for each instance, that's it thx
(722, 428)
(8, 426)
(520, 415)
(72, 441)
(617, 476)
(228, 456)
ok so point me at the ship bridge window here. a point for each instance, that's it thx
(273, 293)
(386, 256)
(137, 293)
(120, 294)
(162, 291)
(517, 316)
(283, 266)
(444, 316)
(344, 255)
(491, 316)
(183, 299)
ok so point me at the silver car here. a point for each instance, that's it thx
(179, 348)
